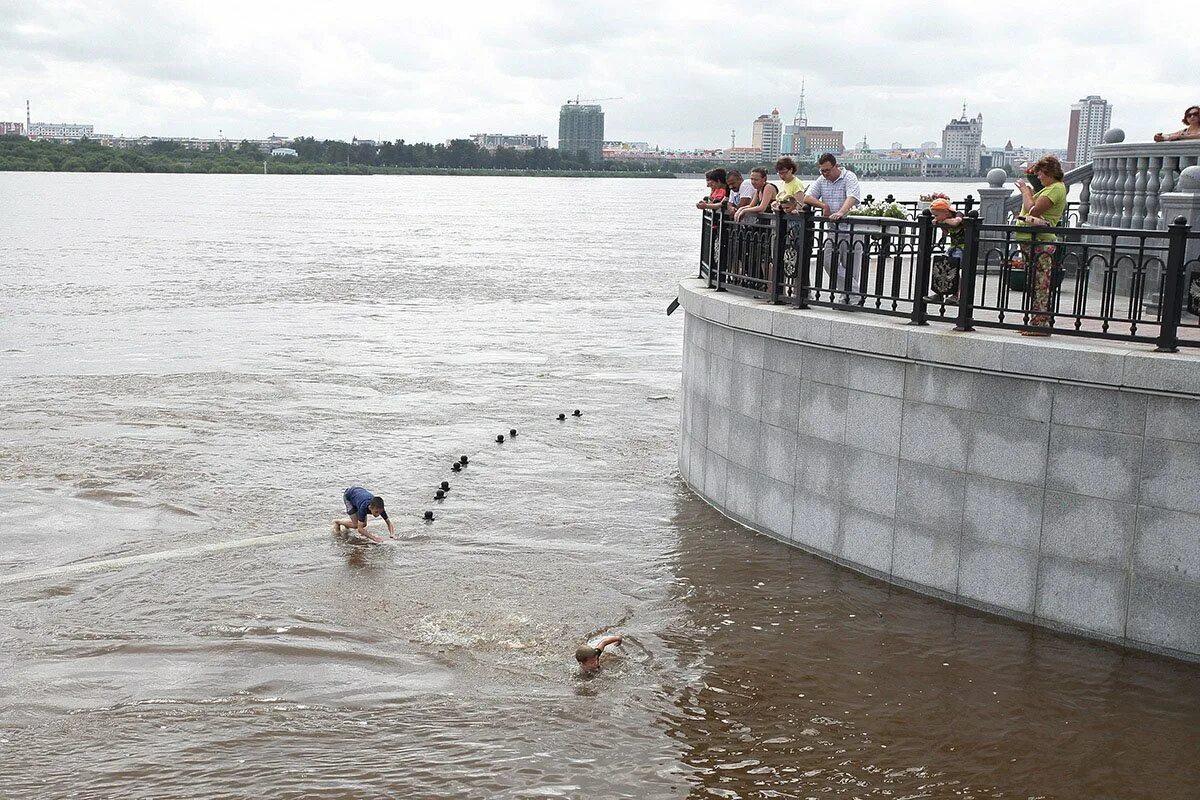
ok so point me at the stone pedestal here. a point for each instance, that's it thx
(991, 205)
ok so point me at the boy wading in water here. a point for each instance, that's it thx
(589, 657)
(360, 504)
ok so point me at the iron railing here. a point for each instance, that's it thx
(1106, 283)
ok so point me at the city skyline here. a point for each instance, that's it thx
(138, 68)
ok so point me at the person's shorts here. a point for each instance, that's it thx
(349, 506)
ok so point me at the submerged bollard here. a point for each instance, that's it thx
(500, 439)
(561, 417)
(429, 515)
(577, 413)
(512, 432)
(439, 494)
(462, 460)
(445, 486)
(455, 467)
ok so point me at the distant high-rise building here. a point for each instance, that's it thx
(767, 137)
(12, 128)
(962, 140)
(581, 130)
(806, 141)
(1090, 118)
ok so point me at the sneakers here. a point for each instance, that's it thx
(940, 299)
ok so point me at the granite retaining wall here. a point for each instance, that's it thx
(1053, 481)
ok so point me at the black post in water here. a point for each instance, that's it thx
(1172, 309)
(920, 309)
(966, 273)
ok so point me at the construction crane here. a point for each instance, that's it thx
(593, 99)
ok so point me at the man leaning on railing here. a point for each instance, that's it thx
(835, 193)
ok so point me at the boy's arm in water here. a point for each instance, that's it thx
(603, 643)
(362, 528)
(391, 528)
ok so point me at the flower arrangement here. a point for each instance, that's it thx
(888, 210)
(931, 196)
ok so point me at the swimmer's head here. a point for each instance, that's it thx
(588, 657)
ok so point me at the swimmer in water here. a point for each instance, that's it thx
(361, 504)
(589, 657)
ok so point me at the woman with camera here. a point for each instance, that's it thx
(1039, 210)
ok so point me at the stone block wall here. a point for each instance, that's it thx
(1051, 500)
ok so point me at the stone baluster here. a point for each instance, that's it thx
(1110, 177)
(1137, 214)
(1152, 220)
(1096, 190)
(1128, 183)
(1085, 198)
(1170, 169)
(1108, 174)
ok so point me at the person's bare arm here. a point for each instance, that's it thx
(362, 528)
(764, 202)
(605, 642)
(391, 528)
(1026, 196)
(849, 203)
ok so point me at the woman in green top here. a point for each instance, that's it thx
(1045, 208)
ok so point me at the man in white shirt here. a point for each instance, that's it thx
(741, 191)
(835, 193)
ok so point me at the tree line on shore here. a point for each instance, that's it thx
(332, 157)
(327, 157)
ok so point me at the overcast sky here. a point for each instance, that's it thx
(686, 72)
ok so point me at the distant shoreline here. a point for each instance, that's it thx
(872, 179)
(325, 171)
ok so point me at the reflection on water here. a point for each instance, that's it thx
(818, 680)
(225, 354)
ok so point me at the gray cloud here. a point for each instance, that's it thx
(688, 71)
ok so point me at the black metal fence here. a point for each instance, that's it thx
(1105, 283)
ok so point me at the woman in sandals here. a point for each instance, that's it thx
(1038, 210)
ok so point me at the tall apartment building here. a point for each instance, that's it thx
(517, 141)
(12, 128)
(1090, 118)
(767, 137)
(581, 130)
(962, 140)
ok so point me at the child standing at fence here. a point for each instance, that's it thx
(943, 281)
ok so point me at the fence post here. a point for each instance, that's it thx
(803, 257)
(966, 275)
(706, 248)
(1172, 311)
(920, 310)
(779, 231)
(719, 250)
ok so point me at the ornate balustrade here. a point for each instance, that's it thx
(1123, 186)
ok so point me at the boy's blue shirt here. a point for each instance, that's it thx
(360, 498)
